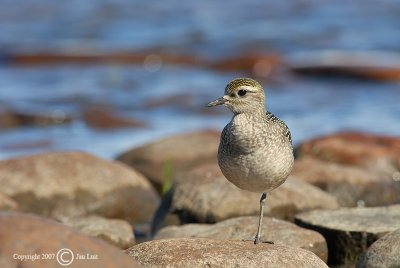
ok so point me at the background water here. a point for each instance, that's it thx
(207, 29)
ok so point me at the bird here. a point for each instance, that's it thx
(255, 152)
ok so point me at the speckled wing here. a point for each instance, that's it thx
(224, 140)
(273, 118)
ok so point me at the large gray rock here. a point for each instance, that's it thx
(70, 184)
(114, 231)
(383, 253)
(350, 231)
(350, 184)
(200, 252)
(7, 203)
(244, 228)
(205, 195)
(26, 235)
(178, 153)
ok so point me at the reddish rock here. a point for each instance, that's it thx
(177, 153)
(205, 195)
(244, 228)
(103, 118)
(26, 235)
(374, 152)
(350, 184)
(261, 65)
(200, 252)
(93, 57)
(70, 184)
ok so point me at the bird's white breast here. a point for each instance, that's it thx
(253, 157)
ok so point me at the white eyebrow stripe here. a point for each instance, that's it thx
(248, 88)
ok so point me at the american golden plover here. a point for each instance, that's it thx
(255, 151)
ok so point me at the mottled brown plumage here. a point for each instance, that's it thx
(255, 151)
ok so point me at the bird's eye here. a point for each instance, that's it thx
(242, 92)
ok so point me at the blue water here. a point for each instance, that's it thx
(208, 29)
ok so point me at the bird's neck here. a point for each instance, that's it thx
(255, 112)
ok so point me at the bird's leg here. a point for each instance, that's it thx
(258, 235)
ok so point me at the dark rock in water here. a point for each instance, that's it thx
(381, 66)
(96, 57)
(372, 152)
(350, 231)
(12, 119)
(205, 195)
(52, 244)
(200, 252)
(103, 118)
(260, 65)
(114, 231)
(164, 159)
(70, 184)
(244, 228)
(383, 253)
(352, 185)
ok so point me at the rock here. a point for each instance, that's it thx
(383, 253)
(7, 203)
(153, 159)
(71, 184)
(10, 118)
(26, 235)
(381, 66)
(100, 56)
(104, 118)
(260, 65)
(205, 195)
(116, 232)
(200, 252)
(350, 231)
(373, 152)
(244, 228)
(349, 184)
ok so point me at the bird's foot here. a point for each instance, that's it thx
(257, 240)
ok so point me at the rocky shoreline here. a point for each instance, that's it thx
(339, 208)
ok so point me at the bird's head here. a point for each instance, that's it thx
(242, 95)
